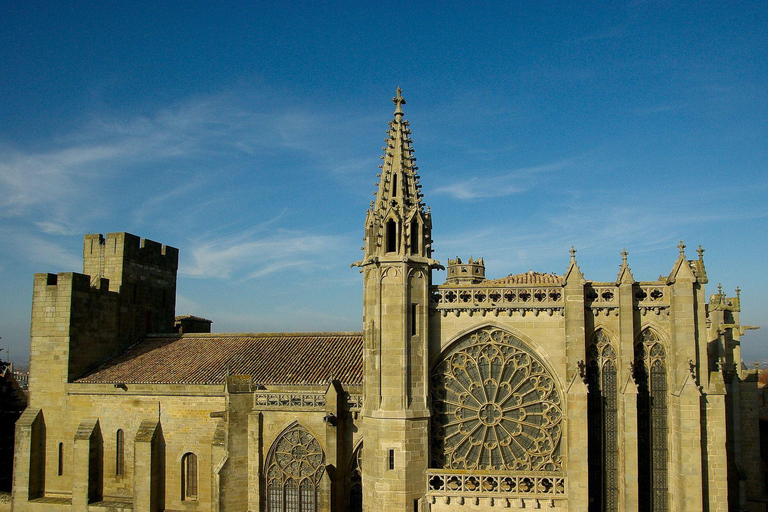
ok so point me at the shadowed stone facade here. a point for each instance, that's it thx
(532, 391)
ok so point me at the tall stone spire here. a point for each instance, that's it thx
(399, 183)
(397, 224)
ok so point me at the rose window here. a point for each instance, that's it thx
(496, 407)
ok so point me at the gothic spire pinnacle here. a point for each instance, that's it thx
(682, 248)
(624, 255)
(398, 187)
(399, 101)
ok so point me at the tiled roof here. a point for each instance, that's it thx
(530, 277)
(284, 358)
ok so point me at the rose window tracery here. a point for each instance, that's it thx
(496, 407)
(294, 467)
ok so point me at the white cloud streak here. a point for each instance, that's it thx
(513, 182)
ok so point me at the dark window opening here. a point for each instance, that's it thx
(61, 459)
(394, 185)
(391, 236)
(119, 453)
(391, 459)
(189, 477)
(413, 320)
(414, 237)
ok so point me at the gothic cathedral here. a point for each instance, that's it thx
(530, 391)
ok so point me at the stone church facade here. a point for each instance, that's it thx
(533, 391)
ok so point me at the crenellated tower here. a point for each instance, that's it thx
(397, 275)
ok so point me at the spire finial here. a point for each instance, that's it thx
(399, 101)
(719, 288)
(624, 255)
(738, 292)
(573, 253)
(700, 250)
(682, 248)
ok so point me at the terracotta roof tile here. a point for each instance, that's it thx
(277, 359)
(530, 277)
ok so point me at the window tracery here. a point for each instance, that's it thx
(295, 466)
(496, 407)
(650, 373)
(602, 406)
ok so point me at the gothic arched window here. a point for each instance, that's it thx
(650, 373)
(295, 465)
(356, 481)
(602, 421)
(496, 407)
(391, 236)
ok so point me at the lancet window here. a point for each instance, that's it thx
(189, 477)
(602, 420)
(650, 373)
(356, 481)
(496, 407)
(295, 465)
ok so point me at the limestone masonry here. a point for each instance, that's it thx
(533, 391)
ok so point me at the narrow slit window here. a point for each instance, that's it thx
(391, 459)
(414, 325)
(394, 185)
(61, 459)
(391, 236)
(119, 453)
(414, 237)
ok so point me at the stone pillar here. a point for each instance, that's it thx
(577, 456)
(149, 467)
(686, 459)
(219, 460)
(29, 458)
(716, 467)
(336, 462)
(629, 489)
(87, 465)
(255, 461)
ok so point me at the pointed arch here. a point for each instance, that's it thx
(294, 466)
(650, 374)
(491, 394)
(541, 351)
(602, 420)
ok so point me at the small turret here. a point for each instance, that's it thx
(471, 272)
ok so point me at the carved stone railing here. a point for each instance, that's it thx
(289, 400)
(652, 299)
(464, 484)
(354, 402)
(497, 300)
(602, 300)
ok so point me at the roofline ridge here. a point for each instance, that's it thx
(254, 334)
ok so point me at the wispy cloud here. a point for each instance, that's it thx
(516, 181)
(260, 254)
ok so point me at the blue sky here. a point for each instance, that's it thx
(248, 135)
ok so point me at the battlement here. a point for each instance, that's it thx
(127, 246)
(73, 281)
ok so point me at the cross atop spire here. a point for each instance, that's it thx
(573, 253)
(399, 101)
(682, 248)
(624, 255)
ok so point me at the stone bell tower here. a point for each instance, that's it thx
(397, 275)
